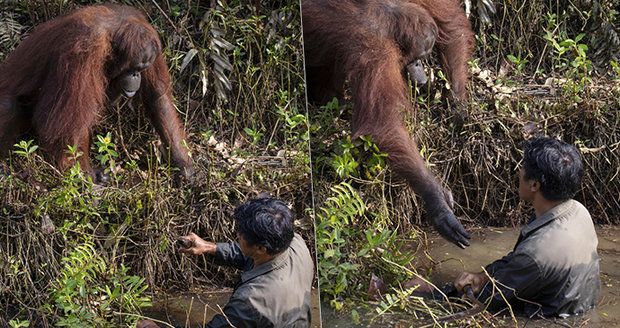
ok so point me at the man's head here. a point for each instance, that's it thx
(551, 166)
(264, 223)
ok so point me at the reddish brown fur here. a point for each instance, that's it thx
(455, 42)
(58, 79)
(368, 43)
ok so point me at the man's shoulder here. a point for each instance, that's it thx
(569, 217)
(578, 208)
(576, 221)
(297, 237)
(570, 235)
(298, 240)
(300, 248)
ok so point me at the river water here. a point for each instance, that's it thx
(489, 244)
(195, 309)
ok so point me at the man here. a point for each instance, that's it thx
(275, 286)
(554, 267)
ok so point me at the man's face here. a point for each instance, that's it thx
(525, 187)
(246, 249)
(249, 250)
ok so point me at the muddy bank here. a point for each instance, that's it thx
(488, 245)
(196, 309)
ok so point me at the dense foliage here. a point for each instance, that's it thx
(538, 69)
(73, 253)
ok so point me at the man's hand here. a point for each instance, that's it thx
(192, 244)
(146, 324)
(475, 280)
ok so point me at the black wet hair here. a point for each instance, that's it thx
(267, 222)
(555, 164)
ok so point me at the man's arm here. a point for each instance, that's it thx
(478, 280)
(227, 254)
(491, 268)
(517, 278)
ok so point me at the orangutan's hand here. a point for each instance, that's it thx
(450, 228)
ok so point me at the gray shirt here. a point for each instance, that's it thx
(553, 269)
(273, 294)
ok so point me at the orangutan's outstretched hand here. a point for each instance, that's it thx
(450, 228)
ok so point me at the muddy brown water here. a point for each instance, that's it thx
(196, 309)
(488, 245)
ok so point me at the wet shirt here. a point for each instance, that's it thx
(273, 294)
(553, 269)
